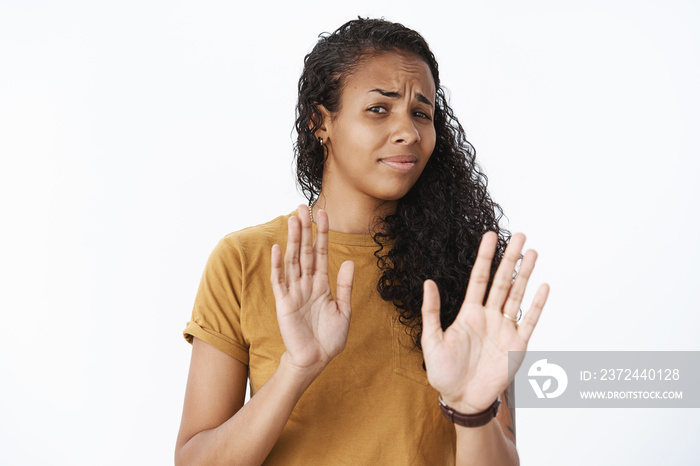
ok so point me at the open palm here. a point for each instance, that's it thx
(314, 326)
(468, 362)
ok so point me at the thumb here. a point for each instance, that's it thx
(430, 310)
(344, 287)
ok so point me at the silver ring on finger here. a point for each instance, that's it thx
(512, 319)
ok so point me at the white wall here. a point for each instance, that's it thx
(134, 134)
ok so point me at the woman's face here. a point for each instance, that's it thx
(383, 135)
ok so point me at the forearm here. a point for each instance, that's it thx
(248, 436)
(485, 445)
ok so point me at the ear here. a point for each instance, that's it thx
(323, 131)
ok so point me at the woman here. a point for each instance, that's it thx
(358, 336)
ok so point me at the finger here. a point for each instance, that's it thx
(321, 245)
(517, 291)
(533, 315)
(279, 289)
(503, 279)
(344, 287)
(430, 311)
(481, 272)
(291, 256)
(306, 256)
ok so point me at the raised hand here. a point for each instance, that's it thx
(468, 362)
(314, 326)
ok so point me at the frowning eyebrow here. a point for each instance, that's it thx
(396, 95)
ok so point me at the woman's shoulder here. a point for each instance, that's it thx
(259, 236)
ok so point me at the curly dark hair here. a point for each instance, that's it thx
(436, 229)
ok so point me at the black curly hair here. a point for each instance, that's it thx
(437, 226)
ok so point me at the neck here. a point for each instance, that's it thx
(358, 216)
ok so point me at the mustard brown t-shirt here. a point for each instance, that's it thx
(372, 405)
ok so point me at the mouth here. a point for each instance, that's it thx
(403, 163)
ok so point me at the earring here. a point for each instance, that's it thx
(320, 140)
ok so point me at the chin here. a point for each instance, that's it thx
(393, 195)
(390, 190)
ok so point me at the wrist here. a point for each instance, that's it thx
(470, 419)
(299, 375)
(461, 406)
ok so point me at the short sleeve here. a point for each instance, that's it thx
(216, 316)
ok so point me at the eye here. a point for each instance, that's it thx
(423, 115)
(377, 109)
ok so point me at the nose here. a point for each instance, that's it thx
(405, 131)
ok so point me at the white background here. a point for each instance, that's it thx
(134, 134)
